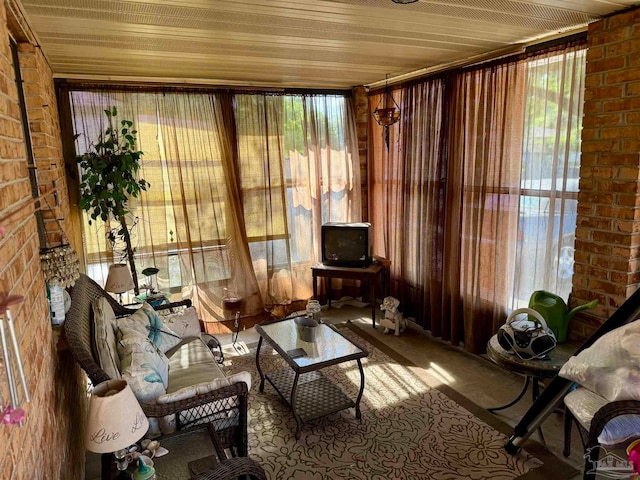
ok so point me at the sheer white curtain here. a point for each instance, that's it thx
(240, 186)
(549, 174)
(298, 168)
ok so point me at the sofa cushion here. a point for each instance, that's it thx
(192, 363)
(184, 323)
(104, 337)
(205, 387)
(147, 321)
(143, 366)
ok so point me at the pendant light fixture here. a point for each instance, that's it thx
(387, 111)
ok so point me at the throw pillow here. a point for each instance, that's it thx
(184, 323)
(147, 321)
(611, 366)
(104, 337)
(620, 430)
(145, 368)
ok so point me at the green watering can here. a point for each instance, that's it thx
(556, 312)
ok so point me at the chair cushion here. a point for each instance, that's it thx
(192, 363)
(143, 366)
(104, 337)
(583, 405)
(184, 323)
(147, 321)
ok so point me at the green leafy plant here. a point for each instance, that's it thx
(109, 171)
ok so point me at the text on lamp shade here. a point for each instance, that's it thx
(101, 436)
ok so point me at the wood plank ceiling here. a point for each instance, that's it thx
(303, 43)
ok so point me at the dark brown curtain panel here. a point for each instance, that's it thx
(407, 210)
(483, 189)
(472, 197)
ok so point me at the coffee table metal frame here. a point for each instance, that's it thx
(308, 392)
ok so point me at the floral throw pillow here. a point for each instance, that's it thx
(147, 321)
(143, 366)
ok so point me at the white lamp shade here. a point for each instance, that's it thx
(116, 419)
(119, 279)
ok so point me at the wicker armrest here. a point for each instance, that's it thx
(232, 469)
(238, 389)
(125, 311)
(225, 410)
(608, 412)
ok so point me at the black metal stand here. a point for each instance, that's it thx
(535, 393)
(516, 400)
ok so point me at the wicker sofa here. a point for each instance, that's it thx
(222, 411)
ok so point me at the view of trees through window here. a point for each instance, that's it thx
(294, 172)
(549, 175)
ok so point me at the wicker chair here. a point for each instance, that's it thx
(591, 413)
(230, 400)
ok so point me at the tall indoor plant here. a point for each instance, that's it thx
(109, 171)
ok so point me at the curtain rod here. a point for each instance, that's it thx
(153, 86)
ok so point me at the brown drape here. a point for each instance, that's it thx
(485, 145)
(445, 192)
(407, 207)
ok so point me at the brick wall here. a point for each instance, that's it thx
(49, 443)
(607, 248)
(361, 105)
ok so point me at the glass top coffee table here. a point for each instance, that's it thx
(308, 392)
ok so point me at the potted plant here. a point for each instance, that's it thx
(109, 171)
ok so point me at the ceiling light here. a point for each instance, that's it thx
(404, 2)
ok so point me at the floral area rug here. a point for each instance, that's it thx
(409, 429)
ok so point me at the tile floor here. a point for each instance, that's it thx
(475, 377)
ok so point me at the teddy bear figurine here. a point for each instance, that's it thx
(393, 319)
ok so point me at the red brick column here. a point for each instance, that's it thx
(361, 104)
(607, 248)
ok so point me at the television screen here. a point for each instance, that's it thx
(346, 244)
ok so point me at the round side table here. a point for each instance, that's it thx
(533, 370)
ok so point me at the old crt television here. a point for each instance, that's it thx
(347, 244)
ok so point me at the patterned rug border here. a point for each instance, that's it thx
(552, 466)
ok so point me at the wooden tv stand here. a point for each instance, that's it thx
(369, 274)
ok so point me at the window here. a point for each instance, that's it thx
(549, 175)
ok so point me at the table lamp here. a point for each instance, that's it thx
(119, 279)
(116, 421)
